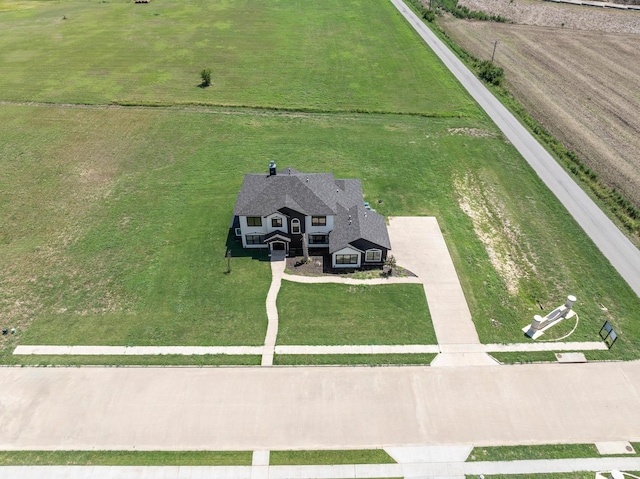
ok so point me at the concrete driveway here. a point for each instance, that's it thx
(418, 245)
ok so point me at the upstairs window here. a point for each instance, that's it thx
(276, 222)
(254, 220)
(318, 221)
(295, 226)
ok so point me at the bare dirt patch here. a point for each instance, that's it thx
(505, 244)
(583, 86)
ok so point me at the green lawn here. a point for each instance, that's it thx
(115, 223)
(323, 55)
(352, 359)
(547, 451)
(343, 314)
(363, 456)
(203, 360)
(125, 458)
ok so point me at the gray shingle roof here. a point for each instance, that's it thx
(310, 194)
(355, 223)
(314, 194)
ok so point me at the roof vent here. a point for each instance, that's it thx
(272, 168)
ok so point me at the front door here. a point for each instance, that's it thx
(278, 246)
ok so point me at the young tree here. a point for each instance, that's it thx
(205, 75)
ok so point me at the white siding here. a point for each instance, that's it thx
(249, 230)
(318, 230)
(270, 228)
(346, 251)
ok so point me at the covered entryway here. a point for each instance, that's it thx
(278, 241)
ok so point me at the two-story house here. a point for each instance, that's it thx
(277, 209)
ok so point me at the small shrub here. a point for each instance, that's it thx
(205, 76)
(429, 15)
(490, 73)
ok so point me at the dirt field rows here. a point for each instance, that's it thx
(545, 14)
(583, 86)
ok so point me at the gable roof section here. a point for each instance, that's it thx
(308, 193)
(357, 223)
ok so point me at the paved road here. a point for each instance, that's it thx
(310, 408)
(622, 254)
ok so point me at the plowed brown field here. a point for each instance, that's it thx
(582, 85)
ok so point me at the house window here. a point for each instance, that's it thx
(295, 226)
(238, 232)
(318, 239)
(373, 255)
(318, 221)
(255, 239)
(254, 220)
(346, 259)
(276, 222)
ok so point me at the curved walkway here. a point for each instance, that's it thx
(278, 264)
(615, 246)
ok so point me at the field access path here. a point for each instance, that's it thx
(622, 254)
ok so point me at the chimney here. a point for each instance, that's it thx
(272, 168)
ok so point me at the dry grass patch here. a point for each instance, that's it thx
(505, 243)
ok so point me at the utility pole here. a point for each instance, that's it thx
(495, 45)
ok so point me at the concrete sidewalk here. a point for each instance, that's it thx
(440, 470)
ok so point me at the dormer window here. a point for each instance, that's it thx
(318, 221)
(276, 222)
(295, 226)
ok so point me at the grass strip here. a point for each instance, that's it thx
(525, 357)
(146, 360)
(356, 456)
(126, 458)
(352, 359)
(546, 451)
(554, 475)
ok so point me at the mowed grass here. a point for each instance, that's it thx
(330, 457)
(537, 452)
(125, 458)
(353, 359)
(114, 222)
(338, 314)
(326, 55)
